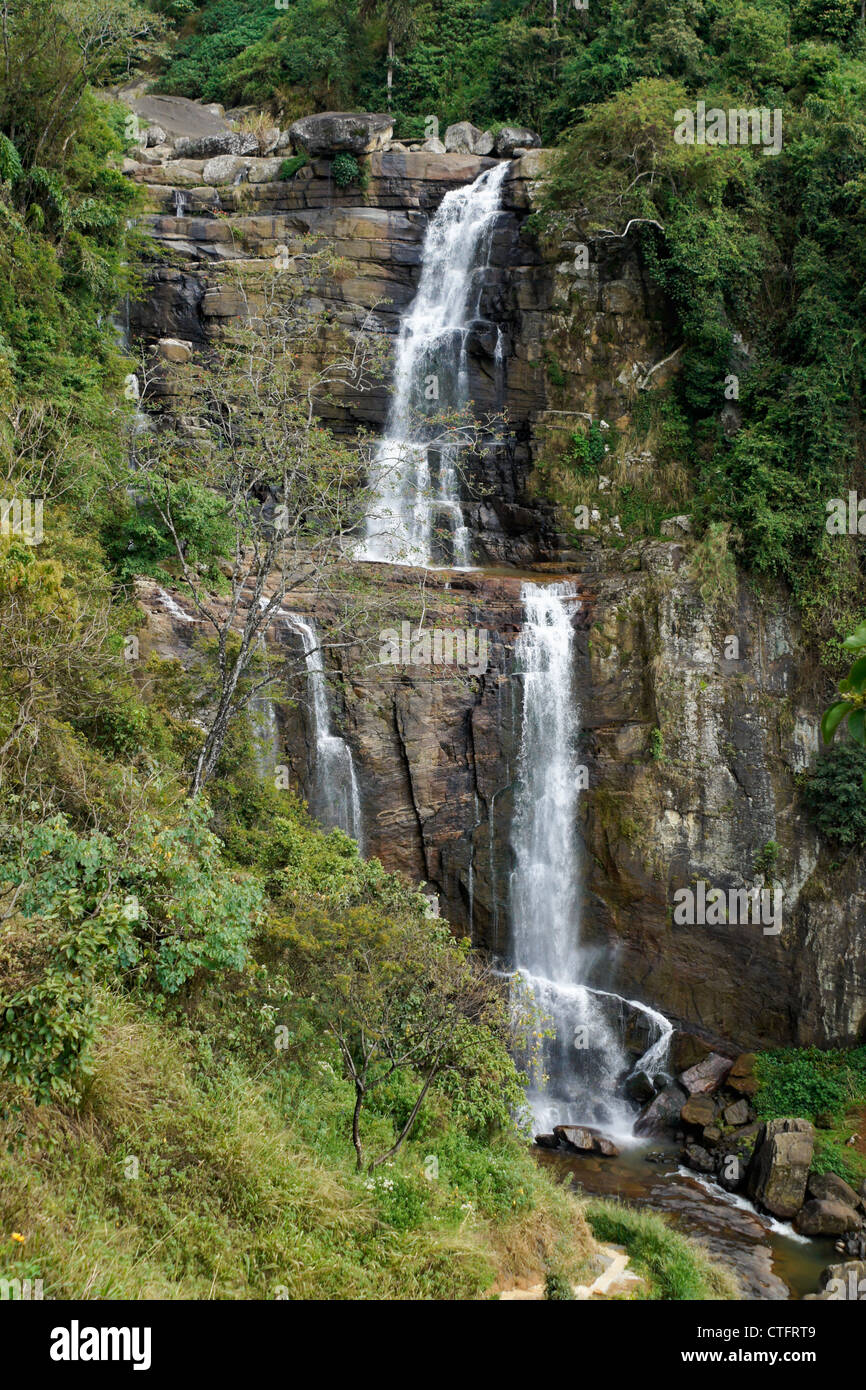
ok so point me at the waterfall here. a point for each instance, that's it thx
(334, 799)
(415, 516)
(581, 1067)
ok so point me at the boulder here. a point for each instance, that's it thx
(825, 1218)
(154, 135)
(639, 1087)
(265, 170)
(698, 1111)
(676, 526)
(335, 132)
(827, 1187)
(706, 1076)
(433, 145)
(174, 350)
(224, 169)
(780, 1167)
(734, 1155)
(466, 138)
(742, 1078)
(514, 137)
(687, 1049)
(663, 1112)
(547, 1141)
(585, 1140)
(268, 140)
(236, 142)
(698, 1158)
(737, 1113)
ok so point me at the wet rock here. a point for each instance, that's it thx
(737, 1113)
(639, 1087)
(780, 1167)
(742, 1077)
(547, 1141)
(583, 1139)
(842, 1282)
(663, 1112)
(820, 1217)
(698, 1111)
(236, 142)
(337, 132)
(828, 1187)
(515, 137)
(696, 1157)
(706, 1076)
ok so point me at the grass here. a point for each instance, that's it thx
(826, 1087)
(183, 1174)
(673, 1266)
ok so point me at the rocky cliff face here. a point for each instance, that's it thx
(692, 752)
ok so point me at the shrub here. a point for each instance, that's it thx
(835, 795)
(345, 169)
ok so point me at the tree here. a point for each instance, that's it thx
(398, 20)
(402, 995)
(245, 426)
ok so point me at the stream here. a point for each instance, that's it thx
(768, 1258)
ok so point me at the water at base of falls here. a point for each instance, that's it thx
(415, 516)
(578, 1074)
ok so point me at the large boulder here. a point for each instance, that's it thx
(515, 137)
(662, 1113)
(737, 1113)
(337, 132)
(582, 1139)
(686, 1049)
(828, 1187)
(236, 142)
(265, 170)
(465, 138)
(826, 1218)
(780, 1167)
(698, 1111)
(224, 169)
(734, 1154)
(697, 1158)
(706, 1076)
(742, 1077)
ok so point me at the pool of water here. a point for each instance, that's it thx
(768, 1258)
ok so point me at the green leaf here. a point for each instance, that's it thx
(857, 676)
(833, 718)
(856, 640)
(857, 726)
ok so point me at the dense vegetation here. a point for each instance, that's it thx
(828, 1088)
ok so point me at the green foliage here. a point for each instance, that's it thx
(851, 708)
(558, 1289)
(290, 167)
(807, 1081)
(835, 795)
(139, 542)
(345, 169)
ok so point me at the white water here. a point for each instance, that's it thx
(334, 797)
(415, 516)
(580, 1072)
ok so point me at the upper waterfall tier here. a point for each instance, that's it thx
(415, 516)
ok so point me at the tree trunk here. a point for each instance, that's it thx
(356, 1125)
(409, 1123)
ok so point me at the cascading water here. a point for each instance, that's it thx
(415, 511)
(334, 799)
(582, 1066)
